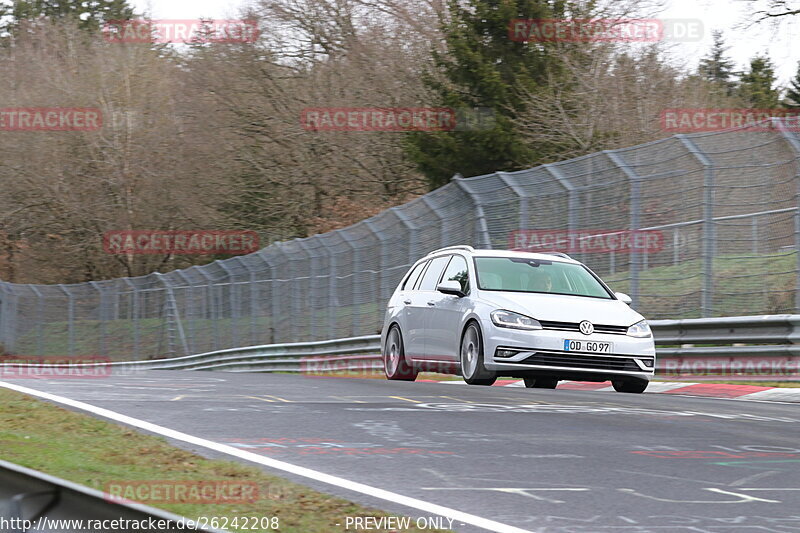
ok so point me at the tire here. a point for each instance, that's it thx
(635, 387)
(395, 365)
(470, 357)
(541, 383)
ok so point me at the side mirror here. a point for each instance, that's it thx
(450, 287)
(624, 298)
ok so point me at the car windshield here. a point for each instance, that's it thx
(520, 274)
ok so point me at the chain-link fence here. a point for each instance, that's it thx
(725, 205)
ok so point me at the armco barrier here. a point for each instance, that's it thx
(355, 353)
(744, 346)
(739, 347)
(46, 503)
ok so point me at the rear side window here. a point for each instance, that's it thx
(412, 278)
(434, 272)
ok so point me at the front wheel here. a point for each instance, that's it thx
(636, 387)
(471, 358)
(540, 383)
(395, 365)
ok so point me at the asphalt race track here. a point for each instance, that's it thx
(541, 460)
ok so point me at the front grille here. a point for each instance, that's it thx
(573, 326)
(589, 362)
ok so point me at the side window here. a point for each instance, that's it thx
(457, 271)
(412, 278)
(431, 276)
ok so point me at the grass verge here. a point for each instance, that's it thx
(93, 453)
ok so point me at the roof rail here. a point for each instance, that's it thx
(557, 254)
(457, 247)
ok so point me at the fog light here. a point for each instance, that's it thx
(647, 362)
(505, 354)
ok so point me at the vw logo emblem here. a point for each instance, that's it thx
(586, 327)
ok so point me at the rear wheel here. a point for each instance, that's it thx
(635, 386)
(395, 365)
(471, 358)
(541, 383)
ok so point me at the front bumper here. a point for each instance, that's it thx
(541, 352)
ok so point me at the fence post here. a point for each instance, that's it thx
(232, 301)
(413, 251)
(312, 276)
(383, 266)
(524, 219)
(253, 306)
(483, 227)
(442, 229)
(135, 313)
(190, 320)
(39, 319)
(709, 233)
(572, 197)
(172, 316)
(70, 320)
(275, 302)
(101, 311)
(211, 306)
(794, 144)
(355, 322)
(635, 210)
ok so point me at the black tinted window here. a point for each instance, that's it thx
(431, 276)
(412, 278)
(457, 271)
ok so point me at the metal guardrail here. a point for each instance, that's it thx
(710, 340)
(354, 353)
(738, 347)
(34, 501)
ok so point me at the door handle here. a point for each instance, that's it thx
(431, 303)
(407, 302)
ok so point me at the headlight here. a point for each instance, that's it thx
(640, 329)
(510, 319)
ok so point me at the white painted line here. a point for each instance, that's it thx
(393, 497)
(785, 394)
(663, 386)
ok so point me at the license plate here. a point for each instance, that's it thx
(587, 346)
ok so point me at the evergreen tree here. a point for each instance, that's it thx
(757, 85)
(88, 14)
(793, 92)
(484, 68)
(716, 67)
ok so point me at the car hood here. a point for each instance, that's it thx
(561, 308)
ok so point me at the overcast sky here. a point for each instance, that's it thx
(730, 16)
